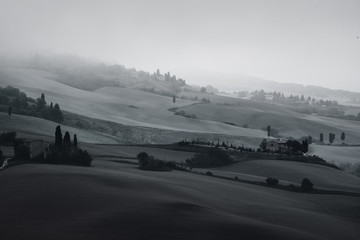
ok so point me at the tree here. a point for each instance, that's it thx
(331, 137)
(67, 141)
(58, 137)
(268, 128)
(174, 99)
(203, 90)
(342, 136)
(306, 185)
(10, 111)
(75, 141)
(51, 105)
(263, 145)
(43, 97)
(321, 137)
(57, 107)
(304, 146)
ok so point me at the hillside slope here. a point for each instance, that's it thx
(121, 105)
(26, 126)
(112, 200)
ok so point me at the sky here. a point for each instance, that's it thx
(311, 42)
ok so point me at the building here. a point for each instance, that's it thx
(277, 145)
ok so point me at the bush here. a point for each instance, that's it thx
(154, 164)
(69, 156)
(143, 158)
(7, 138)
(81, 157)
(213, 157)
(306, 185)
(272, 181)
(209, 173)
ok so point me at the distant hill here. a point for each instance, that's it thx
(228, 83)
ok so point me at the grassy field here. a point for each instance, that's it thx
(337, 154)
(293, 172)
(121, 105)
(32, 127)
(286, 121)
(112, 200)
(137, 108)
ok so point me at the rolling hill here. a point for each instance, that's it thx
(112, 200)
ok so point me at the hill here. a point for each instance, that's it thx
(31, 127)
(113, 199)
(287, 122)
(120, 105)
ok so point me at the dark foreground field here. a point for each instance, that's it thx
(118, 201)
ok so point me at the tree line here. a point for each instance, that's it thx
(12, 100)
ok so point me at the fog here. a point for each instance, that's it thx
(204, 42)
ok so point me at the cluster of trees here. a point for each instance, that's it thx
(150, 163)
(66, 152)
(12, 100)
(212, 157)
(296, 147)
(331, 137)
(205, 100)
(306, 184)
(217, 145)
(280, 97)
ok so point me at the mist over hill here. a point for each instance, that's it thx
(91, 74)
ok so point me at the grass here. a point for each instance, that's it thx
(27, 126)
(115, 199)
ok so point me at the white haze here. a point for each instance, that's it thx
(203, 41)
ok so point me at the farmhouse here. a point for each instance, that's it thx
(277, 145)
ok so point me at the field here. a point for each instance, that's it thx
(287, 122)
(337, 154)
(112, 200)
(120, 105)
(31, 127)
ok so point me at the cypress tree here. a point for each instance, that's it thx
(75, 141)
(67, 141)
(58, 137)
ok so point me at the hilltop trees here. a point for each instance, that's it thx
(16, 101)
(321, 137)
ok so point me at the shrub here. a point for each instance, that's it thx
(143, 158)
(306, 185)
(154, 164)
(212, 157)
(272, 181)
(7, 138)
(209, 173)
(81, 157)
